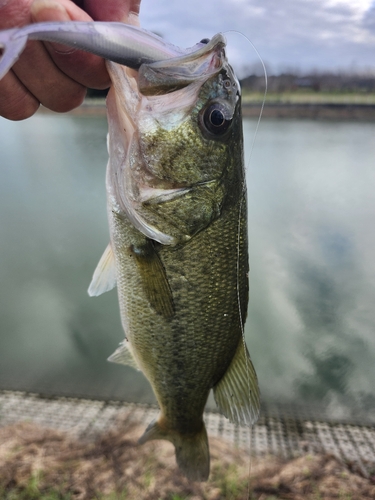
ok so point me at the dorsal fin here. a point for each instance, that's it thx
(104, 278)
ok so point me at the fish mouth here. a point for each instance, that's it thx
(169, 75)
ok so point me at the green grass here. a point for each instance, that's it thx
(32, 491)
(227, 479)
(114, 496)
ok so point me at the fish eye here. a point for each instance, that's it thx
(214, 119)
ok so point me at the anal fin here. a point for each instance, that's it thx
(237, 393)
(124, 356)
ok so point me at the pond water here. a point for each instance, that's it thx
(311, 323)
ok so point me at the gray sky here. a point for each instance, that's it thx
(289, 34)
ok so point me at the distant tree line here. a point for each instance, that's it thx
(324, 82)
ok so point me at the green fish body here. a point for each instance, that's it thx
(178, 242)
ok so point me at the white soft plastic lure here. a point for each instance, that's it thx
(118, 42)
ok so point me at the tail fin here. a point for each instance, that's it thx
(11, 47)
(192, 451)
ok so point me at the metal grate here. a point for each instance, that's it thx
(279, 434)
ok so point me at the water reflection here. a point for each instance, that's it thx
(311, 317)
(312, 283)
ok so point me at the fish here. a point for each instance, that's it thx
(178, 249)
(178, 246)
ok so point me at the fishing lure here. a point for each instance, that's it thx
(118, 42)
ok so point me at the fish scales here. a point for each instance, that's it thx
(185, 355)
(178, 223)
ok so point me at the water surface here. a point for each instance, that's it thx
(311, 319)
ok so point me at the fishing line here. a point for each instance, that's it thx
(242, 198)
(265, 88)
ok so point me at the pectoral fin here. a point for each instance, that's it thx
(154, 279)
(104, 278)
(237, 393)
(124, 356)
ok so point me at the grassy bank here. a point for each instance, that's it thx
(41, 464)
(311, 106)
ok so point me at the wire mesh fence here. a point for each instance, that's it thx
(277, 432)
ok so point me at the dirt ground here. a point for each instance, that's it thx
(39, 463)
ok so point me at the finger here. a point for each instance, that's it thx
(35, 75)
(14, 13)
(113, 10)
(16, 102)
(45, 81)
(83, 67)
(39, 74)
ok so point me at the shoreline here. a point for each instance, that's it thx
(311, 111)
(272, 110)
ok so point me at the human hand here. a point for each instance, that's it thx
(49, 73)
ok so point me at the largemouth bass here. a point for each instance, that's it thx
(178, 228)
(178, 242)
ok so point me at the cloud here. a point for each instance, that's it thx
(327, 34)
(369, 19)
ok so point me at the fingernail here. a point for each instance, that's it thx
(133, 18)
(47, 5)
